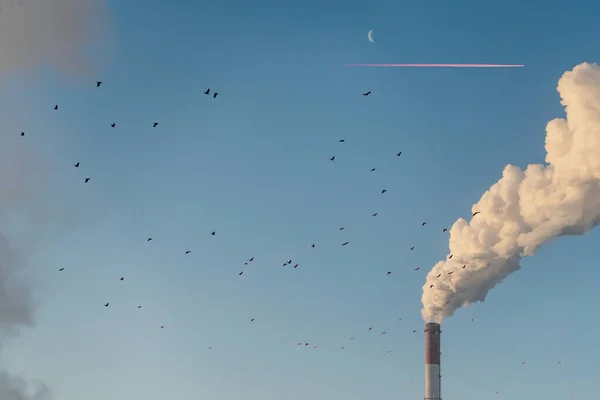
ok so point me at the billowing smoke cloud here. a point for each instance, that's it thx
(526, 208)
(50, 34)
(72, 36)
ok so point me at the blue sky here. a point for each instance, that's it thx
(253, 165)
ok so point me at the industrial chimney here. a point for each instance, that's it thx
(433, 377)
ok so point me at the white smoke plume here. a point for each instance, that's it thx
(71, 36)
(49, 34)
(526, 208)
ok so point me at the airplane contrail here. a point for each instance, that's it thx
(441, 65)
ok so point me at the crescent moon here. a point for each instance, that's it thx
(370, 36)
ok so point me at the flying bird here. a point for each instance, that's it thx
(476, 212)
(252, 320)
(154, 125)
(22, 133)
(375, 214)
(56, 107)
(398, 154)
(372, 169)
(213, 233)
(296, 266)
(383, 191)
(342, 228)
(122, 278)
(149, 239)
(412, 248)
(389, 273)
(215, 95)
(418, 268)
(98, 83)
(87, 180)
(450, 273)
(139, 306)
(61, 269)
(77, 164)
(424, 223)
(450, 257)
(113, 125)
(430, 286)
(188, 252)
(312, 245)
(342, 141)
(207, 91)
(106, 305)
(240, 274)
(444, 230)
(366, 94)
(332, 158)
(345, 243)
(251, 259)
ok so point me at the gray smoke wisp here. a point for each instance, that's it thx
(53, 33)
(68, 36)
(526, 208)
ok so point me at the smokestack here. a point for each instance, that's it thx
(433, 376)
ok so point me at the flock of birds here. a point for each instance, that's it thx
(289, 262)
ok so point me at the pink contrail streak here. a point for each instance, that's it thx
(441, 65)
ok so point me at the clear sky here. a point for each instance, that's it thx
(253, 165)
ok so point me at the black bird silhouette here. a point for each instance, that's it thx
(476, 212)
(424, 223)
(389, 273)
(450, 273)
(122, 279)
(465, 266)
(372, 169)
(383, 191)
(252, 320)
(113, 125)
(345, 243)
(61, 269)
(370, 327)
(342, 141)
(207, 91)
(366, 94)
(312, 245)
(188, 252)
(77, 164)
(56, 107)
(154, 125)
(251, 259)
(215, 95)
(418, 268)
(375, 214)
(439, 275)
(430, 286)
(450, 256)
(149, 239)
(106, 305)
(332, 158)
(240, 274)
(139, 306)
(342, 228)
(444, 230)
(296, 266)
(22, 133)
(290, 262)
(213, 233)
(412, 248)
(98, 83)
(87, 180)
(399, 154)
